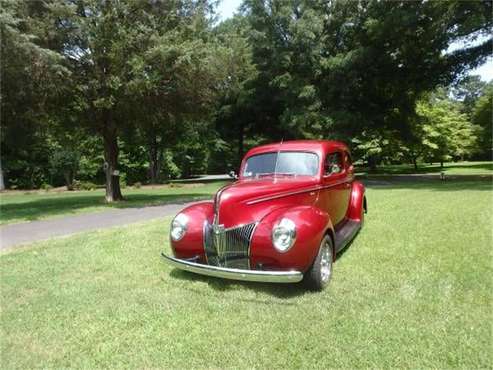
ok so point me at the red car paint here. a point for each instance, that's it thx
(318, 205)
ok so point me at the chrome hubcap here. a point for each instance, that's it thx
(325, 263)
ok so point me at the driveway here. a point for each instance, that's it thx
(27, 232)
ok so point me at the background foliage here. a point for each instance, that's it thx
(160, 90)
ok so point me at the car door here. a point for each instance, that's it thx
(335, 191)
(349, 177)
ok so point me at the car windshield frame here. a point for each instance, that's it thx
(276, 172)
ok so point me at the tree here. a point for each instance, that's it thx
(176, 82)
(137, 64)
(444, 132)
(468, 90)
(33, 78)
(482, 117)
(336, 69)
(67, 162)
(380, 146)
(235, 108)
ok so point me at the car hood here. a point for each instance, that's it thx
(247, 201)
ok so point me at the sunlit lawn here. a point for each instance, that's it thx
(450, 168)
(413, 290)
(30, 206)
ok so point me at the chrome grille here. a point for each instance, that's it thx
(228, 247)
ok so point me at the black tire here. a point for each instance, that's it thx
(363, 211)
(317, 277)
(362, 217)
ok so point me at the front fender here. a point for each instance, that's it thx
(311, 225)
(191, 245)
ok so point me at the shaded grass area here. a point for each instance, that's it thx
(35, 206)
(414, 289)
(450, 168)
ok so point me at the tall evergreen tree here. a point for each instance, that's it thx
(139, 64)
(33, 78)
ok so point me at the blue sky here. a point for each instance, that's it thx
(227, 8)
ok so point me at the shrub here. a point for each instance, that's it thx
(84, 185)
(137, 185)
(169, 168)
(46, 186)
(123, 180)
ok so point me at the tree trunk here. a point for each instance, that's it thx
(441, 163)
(113, 192)
(415, 163)
(2, 183)
(154, 161)
(69, 179)
(372, 163)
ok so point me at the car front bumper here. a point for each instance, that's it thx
(236, 274)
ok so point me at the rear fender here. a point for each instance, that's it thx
(356, 203)
(311, 225)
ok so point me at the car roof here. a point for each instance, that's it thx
(319, 146)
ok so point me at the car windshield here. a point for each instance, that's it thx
(287, 164)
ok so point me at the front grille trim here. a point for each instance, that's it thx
(228, 247)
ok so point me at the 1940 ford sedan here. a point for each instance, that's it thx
(294, 206)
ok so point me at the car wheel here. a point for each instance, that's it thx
(319, 274)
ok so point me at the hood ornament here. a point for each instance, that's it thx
(218, 229)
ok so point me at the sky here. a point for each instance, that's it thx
(227, 8)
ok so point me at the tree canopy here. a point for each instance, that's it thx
(144, 91)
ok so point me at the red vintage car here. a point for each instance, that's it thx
(294, 206)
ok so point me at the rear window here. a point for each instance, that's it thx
(282, 163)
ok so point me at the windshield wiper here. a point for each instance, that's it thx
(275, 174)
(262, 174)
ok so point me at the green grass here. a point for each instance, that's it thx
(18, 207)
(413, 290)
(450, 168)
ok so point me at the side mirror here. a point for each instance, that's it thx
(233, 175)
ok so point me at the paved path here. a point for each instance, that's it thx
(28, 232)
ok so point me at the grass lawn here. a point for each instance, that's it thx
(18, 207)
(413, 290)
(450, 168)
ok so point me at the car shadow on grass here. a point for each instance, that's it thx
(41, 208)
(280, 291)
(342, 252)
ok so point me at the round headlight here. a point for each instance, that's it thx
(179, 227)
(284, 235)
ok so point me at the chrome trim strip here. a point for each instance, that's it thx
(286, 194)
(250, 244)
(236, 274)
(282, 195)
(204, 229)
(344, 181)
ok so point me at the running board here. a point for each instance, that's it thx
(346, 233)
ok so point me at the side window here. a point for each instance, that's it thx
(333, 163)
